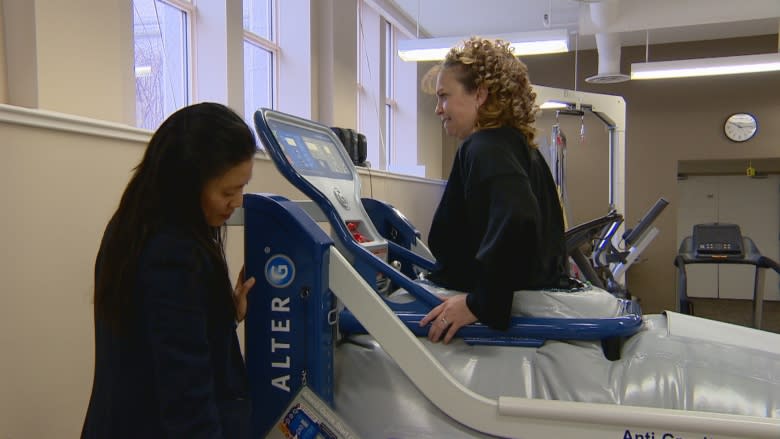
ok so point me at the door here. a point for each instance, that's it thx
(753, 204)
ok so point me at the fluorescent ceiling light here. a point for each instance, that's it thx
(141, 71)
(547, 105)
(706, 66)
(524, 43)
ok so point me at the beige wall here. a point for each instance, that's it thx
(3, 80)
(20, 53)
(54, 48)
(669, 121)
(60, 188)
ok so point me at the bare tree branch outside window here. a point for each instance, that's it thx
(160, 61)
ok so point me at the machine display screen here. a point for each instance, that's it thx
(310, 151)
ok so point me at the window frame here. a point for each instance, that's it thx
(390, 104)
(394, 104)
(270, 45)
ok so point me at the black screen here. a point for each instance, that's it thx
(724, 239)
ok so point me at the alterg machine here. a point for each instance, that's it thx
(332, 330)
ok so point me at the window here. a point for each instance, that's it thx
(387, 96)
(260, 54)
(401, 102)
(161, 31)
(369, 105)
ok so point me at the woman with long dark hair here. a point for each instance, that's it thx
(167, 358)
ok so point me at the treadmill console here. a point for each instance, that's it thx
(315, 154)
(311, 153)
(717, 240)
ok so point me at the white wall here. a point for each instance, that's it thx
(335, 62)
(63, 177)
(219, 54)
(295, 38)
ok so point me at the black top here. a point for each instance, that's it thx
(178, 371)
(499, 225)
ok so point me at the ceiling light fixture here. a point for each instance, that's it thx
(706, 66)
(524, 43)
(548, 105)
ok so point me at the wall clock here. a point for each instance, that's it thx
(740, 127)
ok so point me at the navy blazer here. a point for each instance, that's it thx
(178, 372)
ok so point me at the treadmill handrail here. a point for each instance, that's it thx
(646, 221)
(766, 262)
(413, 257)
(577, 235)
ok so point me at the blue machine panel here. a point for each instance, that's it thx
(289, 335)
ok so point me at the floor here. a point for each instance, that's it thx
(739, 312)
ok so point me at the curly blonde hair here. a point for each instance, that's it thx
(480, 62)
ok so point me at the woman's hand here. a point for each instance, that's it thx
(240, 293)
(449, 316)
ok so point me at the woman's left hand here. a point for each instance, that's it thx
(448, 317)
(240, 293)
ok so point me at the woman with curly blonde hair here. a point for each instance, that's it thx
(499, 225)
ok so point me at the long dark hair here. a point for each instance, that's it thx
(193, 145)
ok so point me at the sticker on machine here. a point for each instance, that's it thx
(299, 422)
(279, 271)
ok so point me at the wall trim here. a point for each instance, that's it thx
(403, 177)
(52, 120)
(55, 121)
